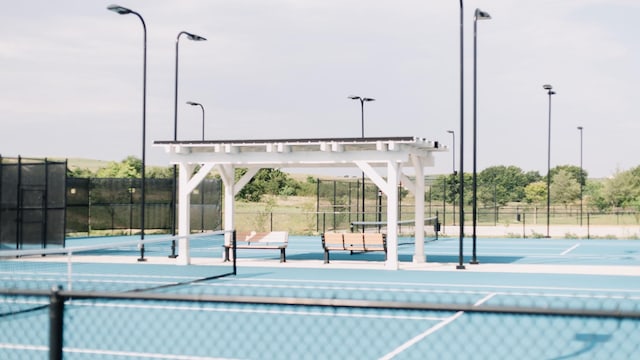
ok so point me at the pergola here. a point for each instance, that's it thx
(383, 160)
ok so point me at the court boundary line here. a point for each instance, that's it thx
(431, 330)
(570, 249)
(227, 309)
(431, 284)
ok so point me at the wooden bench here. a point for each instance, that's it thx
(261, 240)
(353, 242)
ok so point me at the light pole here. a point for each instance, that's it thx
(580, 128)
(201, 107)
(550, 92)
(362, 101)
(189, 36)
(453, 138)
(479, 15)
(124, 11)
(193, 37)
(460, 245)
(202, 188)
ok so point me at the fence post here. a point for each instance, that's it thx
(56, 316)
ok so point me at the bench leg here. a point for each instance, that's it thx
(226, 253)
(283, 255)
(326, 256)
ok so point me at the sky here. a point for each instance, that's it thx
(71, 77)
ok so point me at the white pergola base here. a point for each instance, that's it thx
(391, 155)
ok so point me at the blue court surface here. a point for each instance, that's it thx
(595, 276)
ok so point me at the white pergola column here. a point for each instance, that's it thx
(231, 189)
(393, 177)
(184, 218)
(186, 185)
(227, 174)
(419, 255)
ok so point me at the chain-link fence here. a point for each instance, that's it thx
(99, 205)
(80, 325)
(32, 202)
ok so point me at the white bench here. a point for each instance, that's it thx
(261, 240)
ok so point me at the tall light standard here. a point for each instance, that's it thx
(479, 15)
(460, 245)
(202, 189)
(124, 11)
(581, 174)
(189, 36)
(362, 101)
(550, 92)
(453, 156)
(193, 37)
(201, 107)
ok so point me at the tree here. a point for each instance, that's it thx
(131, 167)
(503, 184)
(622, 190)
(536, 192)
(565, 188)
(580, 175)
(266, 181)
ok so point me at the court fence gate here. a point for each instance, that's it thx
(32, 202)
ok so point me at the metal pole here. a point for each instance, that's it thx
(363, 188)
(202, 107)
(124, 11)
(460, 258)
(581, 174)
(362, 101)
(479, 15)
(550, 92)
(453, 179)
(56, 324)
(174, 190)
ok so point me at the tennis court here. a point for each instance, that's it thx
(528, 299)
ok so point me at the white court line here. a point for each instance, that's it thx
(226, 309)
(430, 331)
(570, 249)
(238, 283)
(419, 291)
(23, 347)
(138, 355)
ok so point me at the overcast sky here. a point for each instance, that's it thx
(71, 76)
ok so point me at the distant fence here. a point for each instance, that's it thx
(516, 223)
(32, 202)
(114, 204)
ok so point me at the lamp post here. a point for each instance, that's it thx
(362, 101)
(201, 107)
(193, 37)
(453, 138)
(189, 36)
(460, 245)
(550, 92)
(479, 15)
(124, 11)
(202, 189)
(580, 128)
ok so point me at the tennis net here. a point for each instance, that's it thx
(117, 266)
(431, 227)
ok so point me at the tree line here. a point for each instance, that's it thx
(499, 185)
